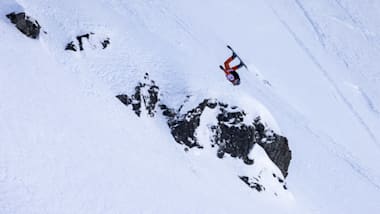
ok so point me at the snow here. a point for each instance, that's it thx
(67, 145)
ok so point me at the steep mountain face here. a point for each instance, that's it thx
(299, 135)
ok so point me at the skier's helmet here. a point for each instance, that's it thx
(231, 77)
(234, 78)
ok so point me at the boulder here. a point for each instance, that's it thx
(27, 25)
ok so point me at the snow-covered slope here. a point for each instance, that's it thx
(67, 145)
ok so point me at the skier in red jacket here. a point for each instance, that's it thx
(231, 73)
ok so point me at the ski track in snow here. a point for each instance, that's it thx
(357, 24)
(329, 79)
(369, 102)
(345, 155)
(320, 35)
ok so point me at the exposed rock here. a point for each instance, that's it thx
(146, 95)
(80, 40)
(83, 37)
(27, 25)
(70, 46)
(168, 112)
(253, 183)
(183, 126)
(105, 43)
(230, 135)
(279, 152)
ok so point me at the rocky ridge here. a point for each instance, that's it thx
(230, 135)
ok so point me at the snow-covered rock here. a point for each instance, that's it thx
(230, 134)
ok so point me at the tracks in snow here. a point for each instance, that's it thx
(328, 78)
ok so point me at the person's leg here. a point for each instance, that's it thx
(227, 62)
(238, 66)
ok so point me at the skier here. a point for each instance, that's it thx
(231, 73)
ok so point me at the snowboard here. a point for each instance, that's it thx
(258, 75)
(237, 56)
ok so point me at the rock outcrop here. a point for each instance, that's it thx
(183, 127)
(278, 151)
(27, 25)
(146, 95)
(77, 44)
(230, 133)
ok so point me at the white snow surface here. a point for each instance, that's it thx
(67, 145)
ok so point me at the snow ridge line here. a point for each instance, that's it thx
(327, 76)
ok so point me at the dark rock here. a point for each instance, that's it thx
(27, 25)
(70, 46)
(80, 40)
(212, 104)
(105, 43)
(183, 127)
(252, 183)
(146, 95)
(279, 152)
(260, 128)
(134, 100)
(151, 99)
(234, 140)
(230, 135)
(124, 99)
(168, 112)
(232, 118)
